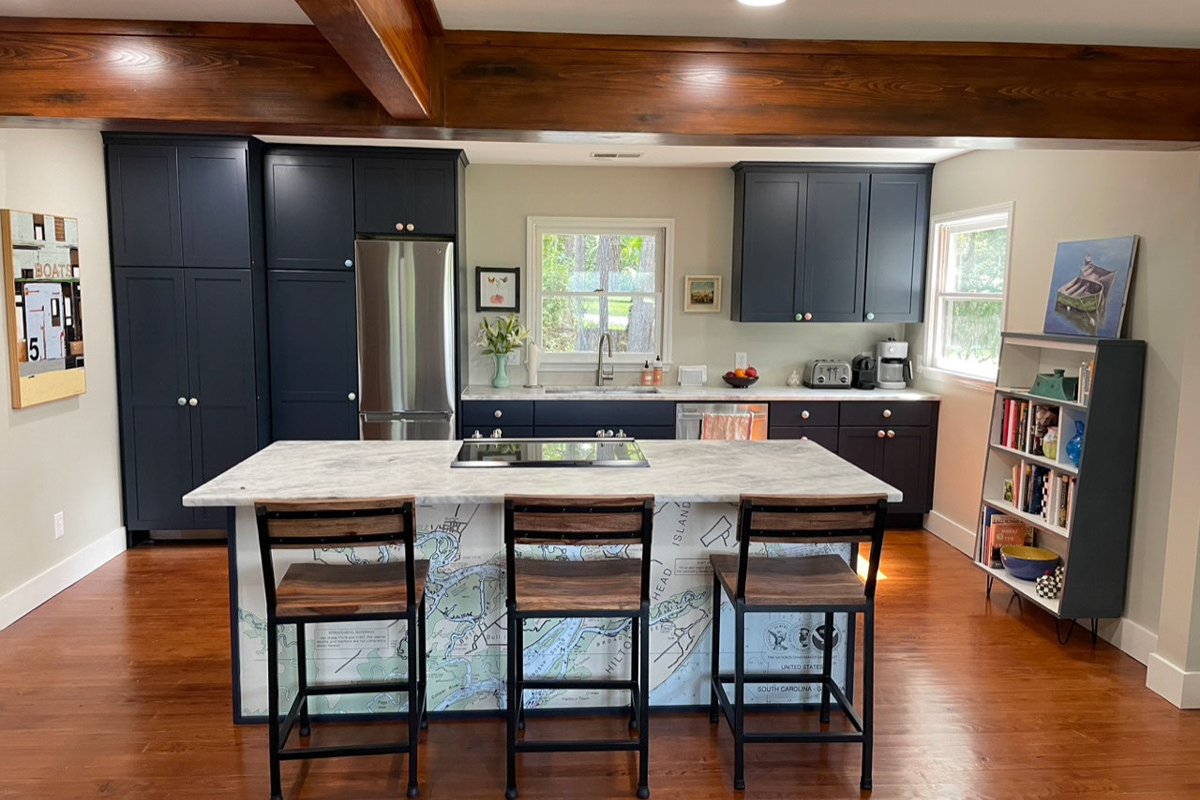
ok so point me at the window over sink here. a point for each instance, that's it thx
(970, 258)
(591, 276)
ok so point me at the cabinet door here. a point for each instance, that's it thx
(214, 204)
(906, 466)
(224, 421)
(314, 355)
(152, 363)
(863, 448)
(835, 247)
(143, 198)
(379, 193)
(772, 248)
(429, 196)
(309, 212)
(896, 234)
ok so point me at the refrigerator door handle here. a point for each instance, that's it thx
(405, 416)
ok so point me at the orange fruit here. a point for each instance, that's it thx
(739, 373)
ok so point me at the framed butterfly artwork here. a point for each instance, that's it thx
(497, 289)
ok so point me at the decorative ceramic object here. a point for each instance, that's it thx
(1056, 386)
(1049, 586)
(793, 380)
(501, 379)
(1050, 443)
(1075, 445)
(498, 339)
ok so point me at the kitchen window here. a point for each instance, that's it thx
(970, 272)
(594, 276)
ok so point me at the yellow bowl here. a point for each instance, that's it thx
(1029, 553)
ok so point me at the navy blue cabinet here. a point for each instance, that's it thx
(896, 240)
(179, 205)
(901, 456)
(309, 211)
(314, 354)
(413, 196)
(828, 243)
(186, 369)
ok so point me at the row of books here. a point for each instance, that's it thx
(1001, 530)
(1042, 492)
(1014, 431)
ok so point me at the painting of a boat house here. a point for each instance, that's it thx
(1090, 285)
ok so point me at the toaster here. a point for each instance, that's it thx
(827, 374)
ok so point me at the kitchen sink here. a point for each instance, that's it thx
(603, 389)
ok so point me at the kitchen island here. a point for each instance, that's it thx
(696, 485)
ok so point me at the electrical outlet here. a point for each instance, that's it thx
(514, 357)
(740, 361)
(59, 526)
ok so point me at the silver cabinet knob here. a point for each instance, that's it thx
(399, 226)
(891, 434)
(349, 262)
(804, 414)
(410, 226)
(870, 315)
(352, 396)
(799, 318)
(881, 434)
(182, 401)
(887, 413)
(807, 317)
(476, 435)
(498, 414)
(193, 402)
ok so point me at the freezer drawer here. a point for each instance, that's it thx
(407, 426)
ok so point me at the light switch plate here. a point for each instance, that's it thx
(740, 361)
(514, 357)
(59, 526)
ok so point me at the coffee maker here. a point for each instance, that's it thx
(893, 369)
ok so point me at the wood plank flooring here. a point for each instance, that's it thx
(119, 688)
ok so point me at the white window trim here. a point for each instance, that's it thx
(966, 379)
(585, 362)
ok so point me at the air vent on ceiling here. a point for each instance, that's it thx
(614, 156)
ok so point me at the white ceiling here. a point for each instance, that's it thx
(553, 154)
(1135, 22)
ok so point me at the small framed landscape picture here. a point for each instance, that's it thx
(702, 293)
(497, 289)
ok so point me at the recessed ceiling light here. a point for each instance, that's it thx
(762, 2)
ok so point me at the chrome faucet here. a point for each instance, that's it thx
(604, 372)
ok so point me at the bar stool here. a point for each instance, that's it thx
(612, 587)
(314, 592)
(823, 583)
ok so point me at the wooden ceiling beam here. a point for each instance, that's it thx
(387, 43)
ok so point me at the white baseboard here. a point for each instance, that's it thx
(37, 590)
(1130, 638)
(1181, 688)
(950, 532)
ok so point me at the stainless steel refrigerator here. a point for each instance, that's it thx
(406, 358)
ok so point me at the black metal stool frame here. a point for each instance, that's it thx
(639, 683)
(414, 617)
(734, 710)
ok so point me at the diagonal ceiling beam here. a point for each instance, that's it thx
(388, 44)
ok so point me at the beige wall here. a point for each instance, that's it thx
(61, 456)
(1062, 196)
(700, 200)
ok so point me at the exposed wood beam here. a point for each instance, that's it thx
(387, 43)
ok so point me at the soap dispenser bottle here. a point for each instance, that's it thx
(647, 375)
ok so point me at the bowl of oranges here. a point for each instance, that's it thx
(741, 378)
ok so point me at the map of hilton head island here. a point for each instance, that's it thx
(467, 630)
(44, 312)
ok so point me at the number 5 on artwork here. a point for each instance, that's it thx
(35, 352)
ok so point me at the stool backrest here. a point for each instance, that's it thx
(288, 524)
(850, 519)
(598, 521)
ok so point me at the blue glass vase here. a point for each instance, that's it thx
(1074, 447)
(501, 379)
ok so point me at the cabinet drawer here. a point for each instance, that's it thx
(793, 414)
(824, 435)
(606, 413)
(492, 414)
(900, 412)
(506, 431)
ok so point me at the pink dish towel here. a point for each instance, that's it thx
(727, 426)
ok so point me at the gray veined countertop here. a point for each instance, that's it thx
(680, 471)
(700, 394)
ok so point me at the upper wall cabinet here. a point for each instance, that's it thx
(179, 206)
(820, 243)
(411, 195)
(309, 211)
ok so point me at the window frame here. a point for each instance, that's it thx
(940, 227)
(625, 226)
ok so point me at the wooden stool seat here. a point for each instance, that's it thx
(609, 585)
(793, 581)
(331, 590)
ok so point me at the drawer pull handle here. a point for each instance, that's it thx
(498, 413)
(352, 396)
(870, 316)
(887, 413)
(349, 263)
(881, 434)
(804, 414)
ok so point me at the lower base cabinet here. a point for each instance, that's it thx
(901, 456)
(824, 435)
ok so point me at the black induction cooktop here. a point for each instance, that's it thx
(550, 453)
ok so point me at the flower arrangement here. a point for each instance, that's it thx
(502, 336)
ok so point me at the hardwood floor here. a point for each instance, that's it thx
(119, 688)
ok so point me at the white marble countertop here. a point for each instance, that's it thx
(703, 394)
(679, 471)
